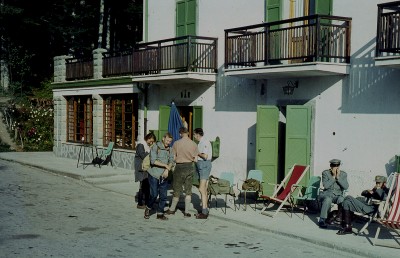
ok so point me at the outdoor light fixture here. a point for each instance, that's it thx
(289, 88)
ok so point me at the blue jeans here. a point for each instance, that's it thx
(158, 188)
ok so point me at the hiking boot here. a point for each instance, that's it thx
(201, 216)
(169, 212)
(187, 215)
(146, 213)
(161, 217)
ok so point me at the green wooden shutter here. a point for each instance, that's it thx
(323, 7)
(180, 18)
(298, 138)
(267, 145)
(163, 118)
(191, 18)
(273, 13)
(186, 18)
(197, 117)
(273, 10)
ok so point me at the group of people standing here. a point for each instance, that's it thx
(185, 158)
(334, 182)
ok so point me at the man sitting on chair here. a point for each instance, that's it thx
(334, 182)
(351, 204)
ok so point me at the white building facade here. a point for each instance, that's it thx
(352, 106)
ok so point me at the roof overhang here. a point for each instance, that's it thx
(388, 61)
(177, 78)
(291, 70)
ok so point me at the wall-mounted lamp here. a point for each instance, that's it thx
(289, 88)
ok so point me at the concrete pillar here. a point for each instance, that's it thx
(98, 63)
(60, 68)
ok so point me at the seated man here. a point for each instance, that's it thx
(334, 182)
(351, 204)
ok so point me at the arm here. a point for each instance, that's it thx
(154, 157)
(140, 151)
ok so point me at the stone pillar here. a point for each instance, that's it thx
(98, 63)
(97, 120)
(60, 124)
(60, 68)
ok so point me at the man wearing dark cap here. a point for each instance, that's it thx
(351, 204)
(334, 182)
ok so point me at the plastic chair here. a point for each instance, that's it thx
(106, 155)
(257, 175)
(229, 177)
(391, 212)
(285, 188)
(310, 194)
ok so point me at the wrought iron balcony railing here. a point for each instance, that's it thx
(388, 29)
(182, 54)
(305, 39)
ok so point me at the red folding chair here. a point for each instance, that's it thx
(284, 190)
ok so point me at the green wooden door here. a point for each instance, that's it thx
(273, 12)
(267, 145)
(163, 118)
(186, 17)
(197, 117)
(298, 138)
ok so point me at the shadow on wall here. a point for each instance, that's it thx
(234, 93)
(391, 166)
(370, 89)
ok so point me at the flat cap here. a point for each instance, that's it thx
(335, 162)
(380, 179)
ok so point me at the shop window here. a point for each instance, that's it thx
(120, 120)
(80, 119)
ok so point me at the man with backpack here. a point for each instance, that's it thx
(162, 161)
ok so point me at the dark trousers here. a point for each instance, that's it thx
(158, 188)
(144, 192)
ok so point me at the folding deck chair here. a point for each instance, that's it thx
(285, 189)
(105, 156)
(391, 213)
(379, 205)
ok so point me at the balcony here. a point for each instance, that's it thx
(79, 69)
(387, 51)
(188, 59)
(316, 45)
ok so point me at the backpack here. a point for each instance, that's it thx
(252, 184)
(219, 186)
(146, 163)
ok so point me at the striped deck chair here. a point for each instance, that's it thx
(391, 213)
(284, 190)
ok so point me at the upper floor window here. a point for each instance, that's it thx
(80, 119)
(120, 120)
(186, 18)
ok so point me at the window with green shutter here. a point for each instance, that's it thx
(186, 12)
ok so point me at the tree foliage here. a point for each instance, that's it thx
(33, 32)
